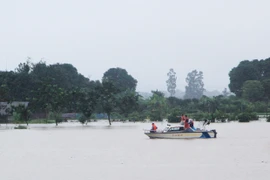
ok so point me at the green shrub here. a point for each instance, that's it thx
(136, 116)
(174, 115)
(232, 117)
(116, 115)
(268, 118)
(220, 115)
(82, 119)
(247, 116)
(20, 127)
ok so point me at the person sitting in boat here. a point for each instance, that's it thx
(191, 124)
(186, 125)
(154, 128)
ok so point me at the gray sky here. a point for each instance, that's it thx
(145, 37)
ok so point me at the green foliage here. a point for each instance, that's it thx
(16, 117)
(118, 116)
(220, 115)
(88, 98)
(253, 90)
(195, 87)
(266, 87)
(108, 97)
(268, 119)
(127, 102)
(174, 115)
(56, 116)
(249, 70)
(200, 116)
(157, 106)
(247, 116)
(136, 116)
(21, 113)
(42, 121)
(82, 119)
(120, 79)
(171, 82)
(232, 117)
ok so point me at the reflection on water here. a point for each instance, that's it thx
(121, 151)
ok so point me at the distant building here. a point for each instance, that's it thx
(5, 107)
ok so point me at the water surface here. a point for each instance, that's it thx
(122, 151)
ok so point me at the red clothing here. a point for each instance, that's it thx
(154, 127)
(183, 118)
(186, 124)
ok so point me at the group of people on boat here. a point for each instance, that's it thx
(187, 122)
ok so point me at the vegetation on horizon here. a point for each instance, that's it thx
(59, 88)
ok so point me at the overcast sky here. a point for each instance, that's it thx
(145, 37)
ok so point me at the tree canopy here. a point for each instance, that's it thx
(195, 87)
(171, 82)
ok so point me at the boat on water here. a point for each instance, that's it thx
(178, 132)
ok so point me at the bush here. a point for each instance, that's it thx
(268, 118)
(82, 119)
(232, 117)
(200, 116)
(174, 115)
(246, 117)
(20, 127)
(220, 115)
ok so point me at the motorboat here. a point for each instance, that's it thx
(178, 132)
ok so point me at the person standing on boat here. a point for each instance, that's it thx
(182, 121)
(154, 127)
(186, 125)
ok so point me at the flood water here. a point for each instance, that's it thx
(123, 152)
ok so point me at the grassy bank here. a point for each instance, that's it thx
(41, 121)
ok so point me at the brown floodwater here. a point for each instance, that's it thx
(71, 151)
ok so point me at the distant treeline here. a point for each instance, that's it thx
(59, 88)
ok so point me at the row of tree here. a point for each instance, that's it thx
(59, 88)
(194, 80)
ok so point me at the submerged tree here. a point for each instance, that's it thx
(118, 92)
(157, 106)
(195, 87)
(171, 82)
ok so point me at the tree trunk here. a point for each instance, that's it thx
(109, 118)
(56, 122)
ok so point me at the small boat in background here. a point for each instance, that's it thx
(178, 132)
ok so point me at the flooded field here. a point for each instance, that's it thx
(122, 152)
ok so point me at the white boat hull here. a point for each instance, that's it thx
(181, 135)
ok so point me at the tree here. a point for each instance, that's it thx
(115, 82)
(23, 113)
(120, 79)
(107, 98)
(248, 70)
(88, 100)
(225, 92)
(127, 102)
(158, 106)
(253, 90)
(171, 82)
(195, 87)
(266, 86)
